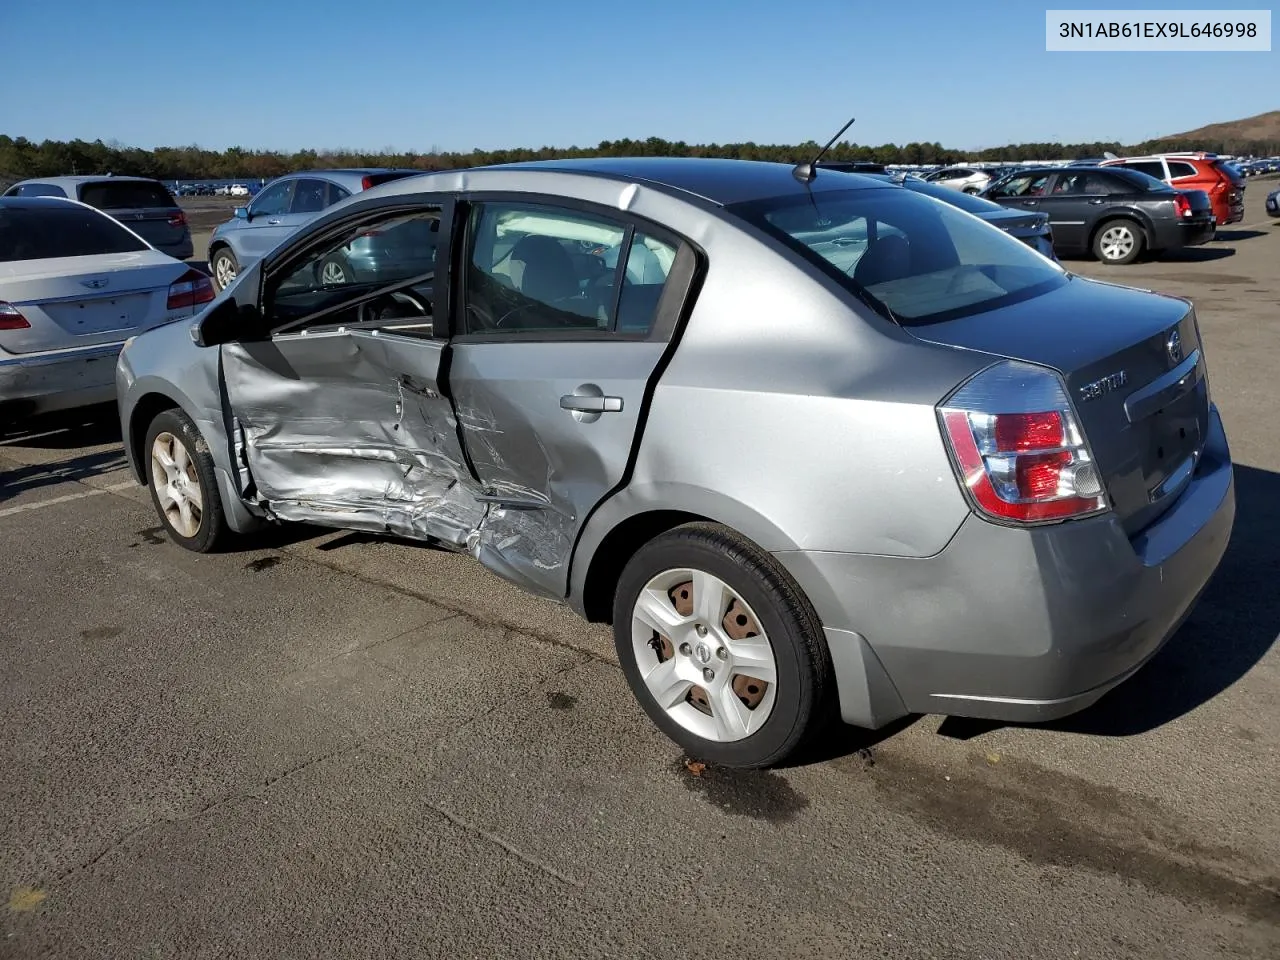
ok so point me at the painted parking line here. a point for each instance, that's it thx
(93, 492)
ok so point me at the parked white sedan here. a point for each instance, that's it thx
(74, 285)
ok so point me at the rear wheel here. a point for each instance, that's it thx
(1118, 242)
(224, 267)
(183, 486)
(721, 648)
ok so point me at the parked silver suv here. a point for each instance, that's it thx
(810, 444)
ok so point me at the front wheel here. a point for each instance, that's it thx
(1118, 242)
(721, 648)
(224, 267)
(183, 487)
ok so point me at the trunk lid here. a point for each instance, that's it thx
(84, 301)
(1201, 205)
(1141, 397)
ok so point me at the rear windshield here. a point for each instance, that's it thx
(913, 260)
(57, 231)
(126, 195)
(1230, 172)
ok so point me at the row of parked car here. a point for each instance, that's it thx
(570, 402)
(181, 189)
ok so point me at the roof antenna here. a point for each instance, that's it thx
(805, 172)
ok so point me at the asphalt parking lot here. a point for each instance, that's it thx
(330, 745)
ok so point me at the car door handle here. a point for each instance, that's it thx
(1098, 201)
(1029, 203)
(272, 223)
(581, 404)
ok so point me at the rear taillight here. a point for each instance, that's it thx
(11, 318)
(366, 183)
(1181, 205)
(178, 219)
(189, 290)
(1018, 447)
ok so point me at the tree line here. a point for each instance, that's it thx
(21, 158)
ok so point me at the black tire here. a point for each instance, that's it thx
(804, 698)
(212, 529)
(1109, 227)
(223, 254)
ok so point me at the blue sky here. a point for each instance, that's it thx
(418, 74)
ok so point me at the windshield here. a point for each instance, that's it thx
(46, 232)
(914, 259)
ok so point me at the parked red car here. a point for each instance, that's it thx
(1195, 171)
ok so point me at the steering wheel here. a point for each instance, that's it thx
(369, 314)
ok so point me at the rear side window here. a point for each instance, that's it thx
(1152, 168)
(1092, 184)
(308, 196)
(1180, 168)
(55, 231)
(125, 195)
(914, 260)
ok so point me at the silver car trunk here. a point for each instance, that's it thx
(83, 301)
(1134, 370)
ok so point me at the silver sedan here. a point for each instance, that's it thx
(814, 445)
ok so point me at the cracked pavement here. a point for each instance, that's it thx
(330, 745)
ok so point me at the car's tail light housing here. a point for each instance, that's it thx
(189, 290)
(366, 183)
(1181, 205)
(1018, 447)
(11, 317)
(177, 219)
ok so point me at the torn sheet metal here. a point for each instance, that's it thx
(349, 429)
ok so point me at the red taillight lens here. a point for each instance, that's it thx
(366, 183)
(11, 318)
(178, 219)
(1028, 431)
(189, 290)
(1181, 206)
(1020, 452)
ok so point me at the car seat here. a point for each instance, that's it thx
(887, 259)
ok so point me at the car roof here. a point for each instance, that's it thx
(720, 181)
(75, 181)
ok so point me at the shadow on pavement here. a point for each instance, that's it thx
(65, 430)
(1196, 254)
(1229, 631)
(22, 479)
(1232, 235)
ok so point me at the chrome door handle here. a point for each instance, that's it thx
(273, 223)
(1029, 203)
(1096, 202)
(588, 404)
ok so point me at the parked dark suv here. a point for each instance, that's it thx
(1114, 213)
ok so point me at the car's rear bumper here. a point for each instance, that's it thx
(1173, 234)
(58, 380)
(1018, 624)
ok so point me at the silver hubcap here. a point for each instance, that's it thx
(332, 273)
(224, 271)
(1117, 242)
(703, 655)
(177, 486)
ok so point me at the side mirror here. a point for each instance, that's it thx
(242, 213)
(227, 322)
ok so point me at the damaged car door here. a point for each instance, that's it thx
(563, 317)
(337, 415)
